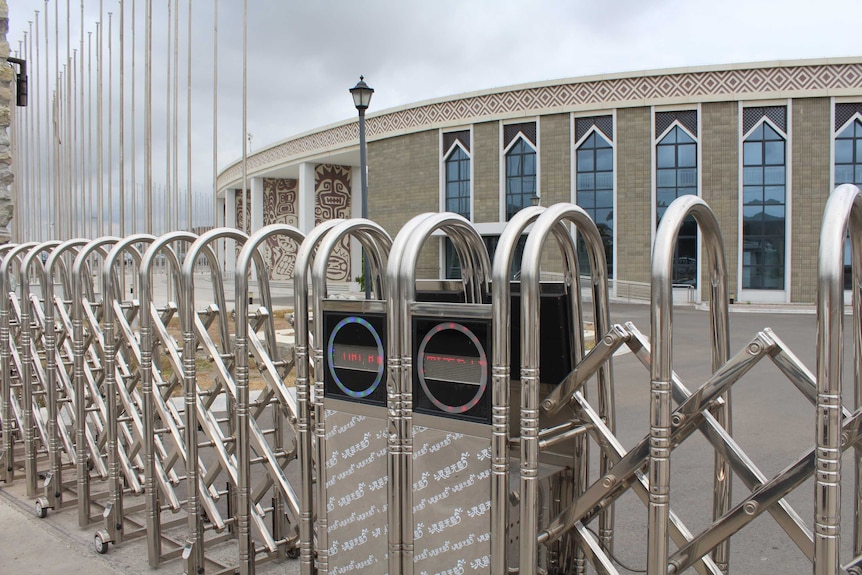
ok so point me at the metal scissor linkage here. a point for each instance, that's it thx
(692, 414)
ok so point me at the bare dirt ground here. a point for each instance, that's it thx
(205, 369)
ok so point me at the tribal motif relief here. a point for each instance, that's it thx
(243, 213)
(280, 207)
(332, 200)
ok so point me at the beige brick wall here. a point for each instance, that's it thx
(720, 180)
(810, 135)
(555, 159)
(486, 172)
(403, 181)
(634, 189)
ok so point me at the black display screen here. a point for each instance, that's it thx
(354, 359)
(451, 368)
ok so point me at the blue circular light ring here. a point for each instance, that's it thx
(483, 359)
(331, 354)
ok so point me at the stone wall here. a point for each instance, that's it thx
(7, 76)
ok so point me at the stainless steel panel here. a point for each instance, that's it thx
(451, 502)
(356, 479)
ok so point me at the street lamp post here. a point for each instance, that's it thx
(361, 93)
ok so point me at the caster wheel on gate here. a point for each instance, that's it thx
(293, 553)
(41, 508)
(100, 541)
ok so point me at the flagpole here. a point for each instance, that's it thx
(148, 120)
(122, 134)
(189, 128)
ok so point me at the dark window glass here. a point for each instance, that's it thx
(453, 264)
(596, 165)
(458, 182)
(848, 170)
(520, 177)
(763, 216)
(491, 245)
(676, 175)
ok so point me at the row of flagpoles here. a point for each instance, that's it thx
(77, 145)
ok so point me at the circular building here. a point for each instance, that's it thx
(763, 144)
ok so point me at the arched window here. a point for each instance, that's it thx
(595, 193)
(764, 203)
(520, 177)
(458, 182)
(848, 170)
(676, 175)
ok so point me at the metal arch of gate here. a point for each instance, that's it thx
(162, 418)
(306, 416)
(462, 427)
(200, 413)
(88, 372)
(835, 429)
(11, 406)
(275, 394)
(350, 403)
(25, 356)
(57, 372)
(538, 438)
(197, 411)
(123, 399)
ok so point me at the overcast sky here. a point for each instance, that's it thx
(304, 56)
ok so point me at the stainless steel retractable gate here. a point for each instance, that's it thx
(57, 349)
(30, 368)
(351, 408)
(163, 418)
(256, 446)
(459, 491)
(199, 413)
(12, 415)
(551, 437)
(25, 358)
(444, 412)
(88, 374)
(312, 543)
(123, 402)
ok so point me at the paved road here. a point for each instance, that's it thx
(772, 422)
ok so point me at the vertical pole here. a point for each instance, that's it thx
(110, 230)
(69, 181)
(122, 139)
(363, 178)
(189, 225)
(100, 129)
(88, 201)
(134, 186)
(175, 170)
(148, 120)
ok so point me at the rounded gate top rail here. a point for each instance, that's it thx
(501, 269)
(55, 258)
(248, 252)
(33, 255)
(127, 245)
(187, 294)
(13, 254)
(97, 246)
(374, 239)
(148, 259)
(662, 282)
(842, 214)
(476, 271)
